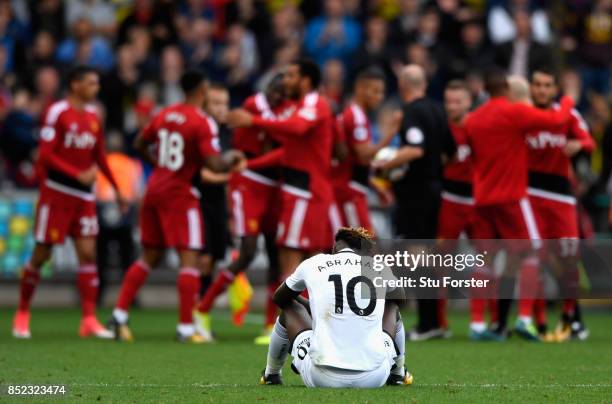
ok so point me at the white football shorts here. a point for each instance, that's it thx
(324, 376)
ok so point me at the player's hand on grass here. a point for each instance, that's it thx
(572, 147)
(88, 177)
(239, 118)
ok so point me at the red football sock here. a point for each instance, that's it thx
(569, 306)
(539, 306)
(188, 287)
(477, 310)
(478, 302)
(29, 280)
(133, 280)
(218, 286)
(529, 283)
(442, 319)
(271, 309)
(87, 281)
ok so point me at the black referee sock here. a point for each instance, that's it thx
(205, 282)
(577, 313)
(506, 290)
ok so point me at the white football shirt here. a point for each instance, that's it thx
(346, 312)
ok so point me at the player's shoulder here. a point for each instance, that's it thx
(55, 110)
(92, 111)
(259, 102)
(314, 262)
(251, 103)
(317, 101)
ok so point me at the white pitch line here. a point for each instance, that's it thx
(443, 385)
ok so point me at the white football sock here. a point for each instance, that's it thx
(186, 330)
(120, 315)
(400, 342)
(478, 326)
(278, 349)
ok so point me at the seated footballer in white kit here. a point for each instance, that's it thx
(337, 338)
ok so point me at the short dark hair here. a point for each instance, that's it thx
(191, 79)
(457, 85)
(276, 80)
(215, 85)
(356, 238)
(547, 70)
(309, 69)
(371, 73)
(496, 82)
(77, 73)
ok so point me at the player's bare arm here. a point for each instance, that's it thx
(211, 177)
(284, 296)
(230, 161)
(404, 155)
(88, 177)
(365, 152)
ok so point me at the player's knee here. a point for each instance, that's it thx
(40, 255)
(87, 257)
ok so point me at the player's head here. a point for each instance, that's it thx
(217, 102)
(370, 88)
(301, 77)
(496, 82)
(457, 100)
(358, 239)
(412, 80)
(543, 87)
(518, 89)
(84, 83)
(194, 84)
(275, 90)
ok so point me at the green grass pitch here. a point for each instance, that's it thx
(157, 369)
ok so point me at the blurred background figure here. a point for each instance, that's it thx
(334, 35)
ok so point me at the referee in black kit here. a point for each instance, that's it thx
(425, 139)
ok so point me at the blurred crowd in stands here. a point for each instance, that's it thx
(141, 47)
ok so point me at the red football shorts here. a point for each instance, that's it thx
(455, 218)
(171, 223)
(508, 221)
(353, 207)
(59, 214)
(254, 203)
(305, 224)
(557, 219)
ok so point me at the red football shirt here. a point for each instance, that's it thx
(355, 129)
(183, 136)
(71, 141)
(306, 136)
(459, 169)
(546, 154)
(496, 134)
(252, 141)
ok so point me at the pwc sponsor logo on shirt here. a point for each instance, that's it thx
(79, 140)
(546, 140)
